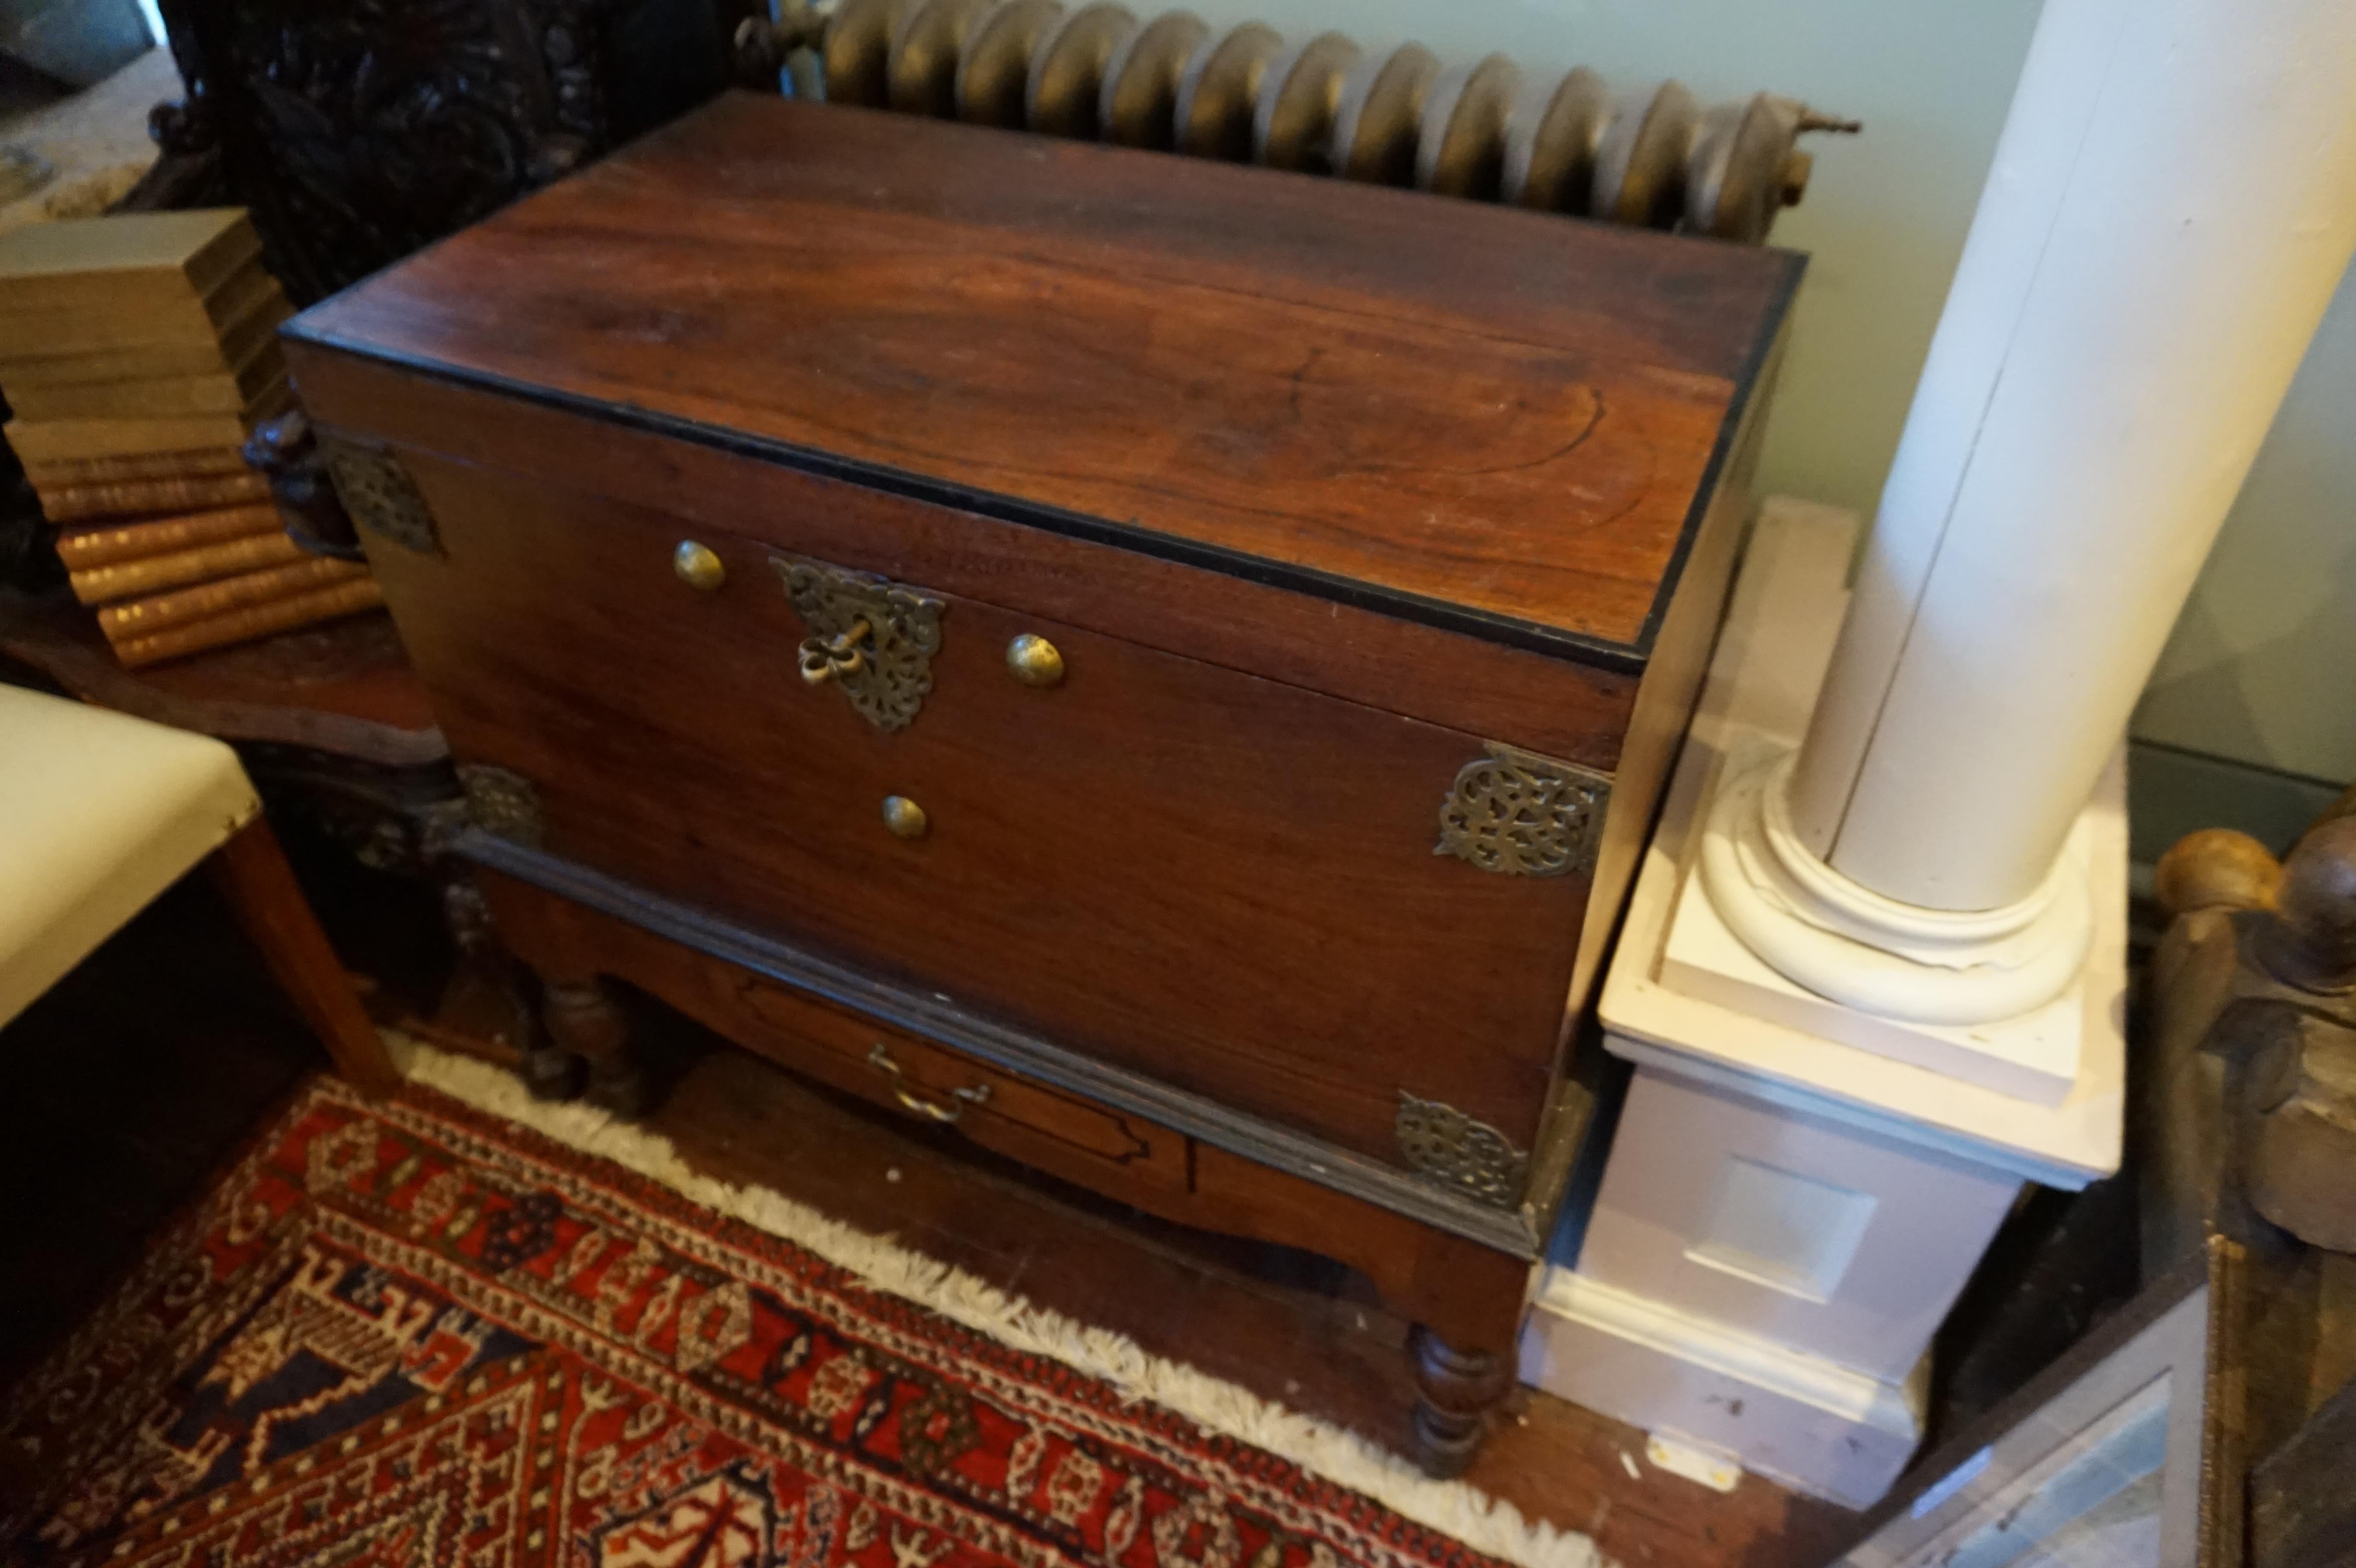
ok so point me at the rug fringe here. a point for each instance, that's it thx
(1470, 1516)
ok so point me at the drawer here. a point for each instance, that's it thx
(1212, 879)
(1070, 1137)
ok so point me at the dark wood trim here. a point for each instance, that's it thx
(929, 1017)
(1750, 390)
(1624, 658)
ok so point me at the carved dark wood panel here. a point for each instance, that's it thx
(358, 131)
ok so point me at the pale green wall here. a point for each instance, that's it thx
(2262, 668)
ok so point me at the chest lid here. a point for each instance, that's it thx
(1497, 421)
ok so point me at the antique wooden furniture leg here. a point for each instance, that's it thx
(550, 1071)
(252, 872)
(583, 1018)
(585, 1049)
(1466, 1301)
(1457, 1389)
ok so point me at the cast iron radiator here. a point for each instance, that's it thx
(1655, 157)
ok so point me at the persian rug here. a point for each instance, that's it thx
(408, 1332)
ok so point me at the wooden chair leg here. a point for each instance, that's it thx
(251, 871)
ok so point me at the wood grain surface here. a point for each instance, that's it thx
(1471, 1293)
(1218, 880)
(1575, 712)
(1498, 420)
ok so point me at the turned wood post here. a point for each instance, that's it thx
(581, 1017)
(550, 1071)
(1456, 1391)
(2254, 998)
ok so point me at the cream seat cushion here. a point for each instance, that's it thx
(99, 813)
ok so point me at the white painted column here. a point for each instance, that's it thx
(2172, 204)
(2171, 207)
(1872, 976)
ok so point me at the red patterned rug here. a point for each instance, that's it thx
(410, 1333)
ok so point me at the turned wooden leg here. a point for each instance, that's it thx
(1458, 1391)
(252, 872)
(492, 984)
(581, 1017)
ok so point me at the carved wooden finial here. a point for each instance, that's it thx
(2311, 941)
(2215, 869)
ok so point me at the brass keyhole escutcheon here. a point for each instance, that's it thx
(904, 817)
(871, 639)
(1035, 661)
(698, 566)
(831, 659)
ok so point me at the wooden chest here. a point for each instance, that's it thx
(1165, 663)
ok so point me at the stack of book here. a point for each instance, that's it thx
(136, 352)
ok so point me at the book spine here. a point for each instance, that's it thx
(172, 397)
(130, 498)
(125, 467)
(144, 617)
(255, 620)
(41, 442)
(103, 585)
(84, 550)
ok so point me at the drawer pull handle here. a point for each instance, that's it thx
(1035, 661)
(831, 659)
(880, 1060)
(698, 566)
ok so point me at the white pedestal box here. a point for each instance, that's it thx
(1794, 1199)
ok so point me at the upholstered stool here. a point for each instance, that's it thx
(101, 812)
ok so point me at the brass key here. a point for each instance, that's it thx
(831, 659)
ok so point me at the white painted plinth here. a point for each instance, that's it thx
(1790, 1204)
(1799, 1422)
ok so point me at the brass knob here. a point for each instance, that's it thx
(1034, 660)
(698, 566)
(904, 817)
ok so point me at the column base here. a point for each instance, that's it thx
(1801, 1420)
(1999, 999)
(1798, 1189)
(2040, 1093)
